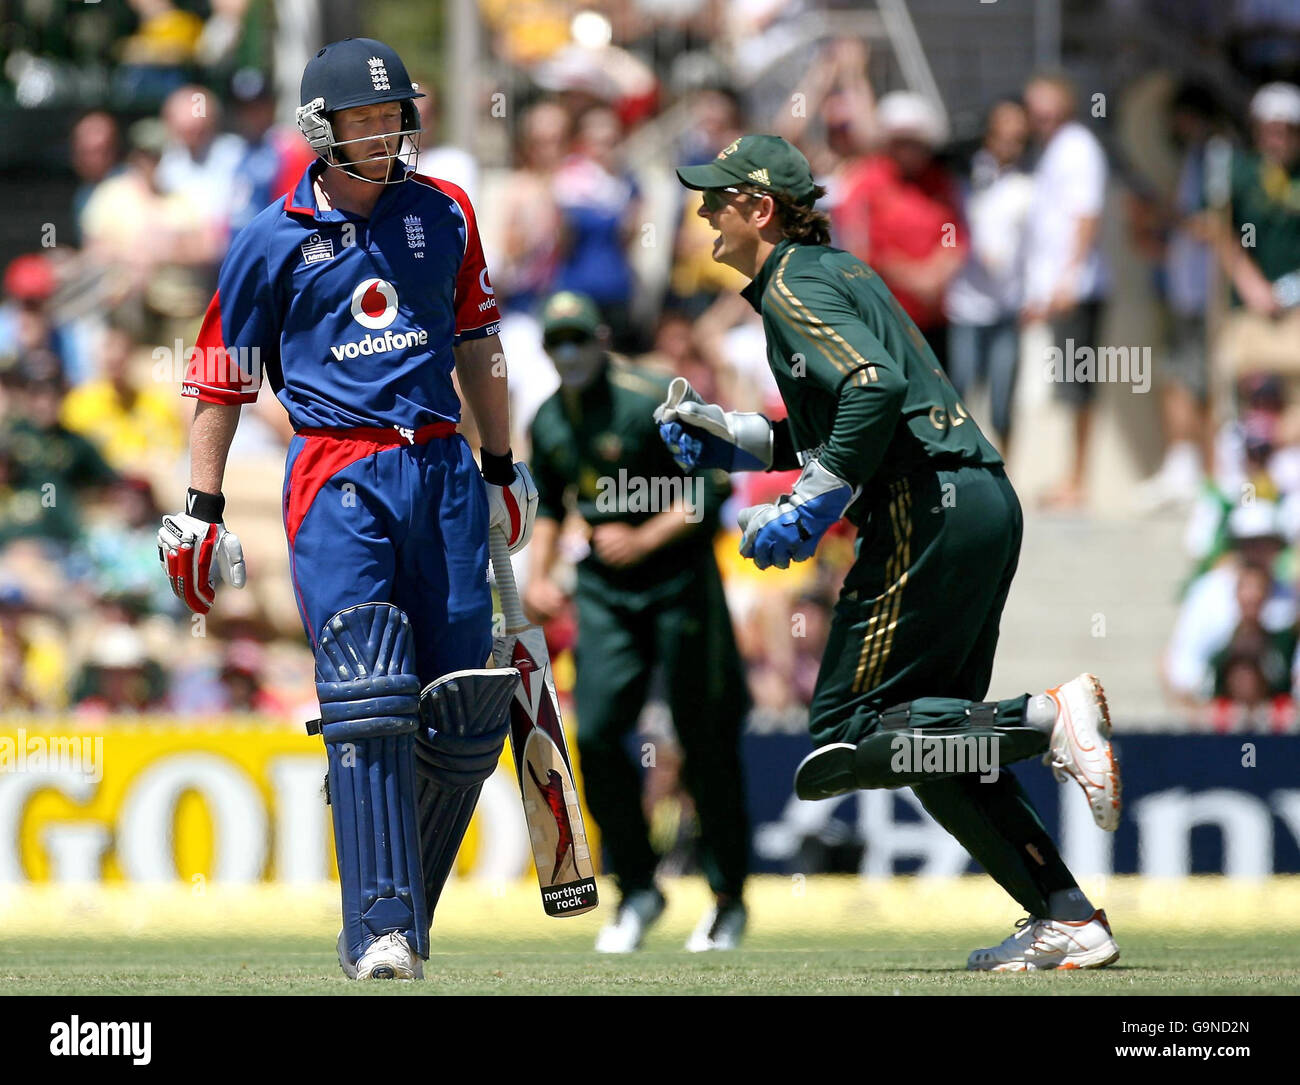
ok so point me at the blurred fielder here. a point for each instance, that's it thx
(356, 295)
(882, 438)
(648, 593)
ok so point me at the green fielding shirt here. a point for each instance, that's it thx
(600, 450)
(1268, 197)
(859, 382)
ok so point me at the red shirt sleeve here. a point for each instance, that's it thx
(240, 335)
(213, 374)
(475, 300)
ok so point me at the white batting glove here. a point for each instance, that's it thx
(196, 551)
(512, 506)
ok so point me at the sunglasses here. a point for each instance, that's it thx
(715, 199)
(564, 338)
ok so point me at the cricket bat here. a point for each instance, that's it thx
(559, 838)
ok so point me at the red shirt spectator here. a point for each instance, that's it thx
(886, 217)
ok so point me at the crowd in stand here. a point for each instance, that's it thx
(977, 243)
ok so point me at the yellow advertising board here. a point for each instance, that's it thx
(232, 801)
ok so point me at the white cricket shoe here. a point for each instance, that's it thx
(388, 957)
(637, 913)
(1041, 945)
(1080, 747)
(721, 928)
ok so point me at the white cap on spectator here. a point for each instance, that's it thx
(119, 647)
(1276, 102)
(904, 113)
(1258, 520)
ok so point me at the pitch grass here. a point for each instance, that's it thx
(842, 964)
(825, 936)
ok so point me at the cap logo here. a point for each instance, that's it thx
(760, 176)
(378, 74)
(565, 305)
(729, 149)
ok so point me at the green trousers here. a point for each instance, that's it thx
(683, 626)
(910, 654)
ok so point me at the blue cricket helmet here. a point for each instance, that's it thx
(350, 73)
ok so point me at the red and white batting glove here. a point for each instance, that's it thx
(512, 498)
(195, 547)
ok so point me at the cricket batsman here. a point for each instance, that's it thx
(356, 295)
(648, 593)
(883, 439)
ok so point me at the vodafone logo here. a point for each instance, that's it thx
(374, 303)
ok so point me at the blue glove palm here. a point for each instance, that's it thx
(790, 528)
(700, 434)
(692, 448)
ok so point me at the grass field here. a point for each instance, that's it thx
(831, 935)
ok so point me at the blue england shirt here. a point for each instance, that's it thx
(350, 320)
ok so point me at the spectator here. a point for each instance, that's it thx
(984, 298)
(151, 279)
(1264, 187)
(275, 156)
(836, 96)
(48, 467)
(1184, 285)
(26, 320)
(243, 681)
(599, 202)
(529, 213)
(899, 212)
(16, 692)
(119, 676)
(95, 154)
(135, 424)
(1270, 650)
(198, 159)
(156, 57)
(1211, 610)
(1255, 459)
(1064, 278)
(121, 551)
(696, 279)
(676, 354)
(715, 120)
(454, 164)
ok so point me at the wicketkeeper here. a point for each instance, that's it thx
(356, 295)
(883, 439)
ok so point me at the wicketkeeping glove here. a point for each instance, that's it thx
(195, 548)
(700, 434)
(512, 498)
(790, 528)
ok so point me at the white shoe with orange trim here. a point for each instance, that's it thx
(1041, 945)
(1080, 746)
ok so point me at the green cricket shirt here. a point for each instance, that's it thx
(599, 451)
(1267, 197)
(861, 387)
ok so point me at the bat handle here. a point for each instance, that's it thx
(505, 577)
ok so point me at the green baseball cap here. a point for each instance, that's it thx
(768, 162)
(570, 311)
